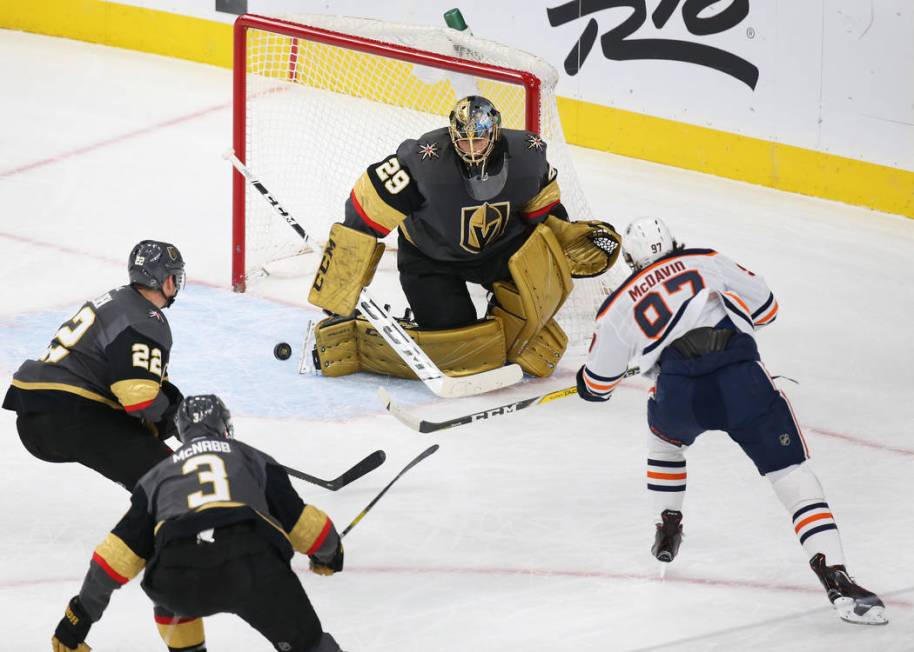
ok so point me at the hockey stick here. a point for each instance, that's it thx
(388, 327)
(367, 465)
(423, 426)
(421, 456)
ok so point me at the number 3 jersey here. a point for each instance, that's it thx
(207, 484)
(114, 351)
(684, 290)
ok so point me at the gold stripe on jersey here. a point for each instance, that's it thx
(180, 635)
(135, 391)
(549, 195)
(373, 205)
(119, 557)
(71, 389)
(308, 528)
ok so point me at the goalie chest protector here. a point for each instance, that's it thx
(469, 221)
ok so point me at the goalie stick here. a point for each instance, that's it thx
(370, 463)
(421, 456)
(428, 372)
(423, 426)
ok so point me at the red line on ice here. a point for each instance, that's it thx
(111, 141)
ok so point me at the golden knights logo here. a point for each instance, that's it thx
(483, 225)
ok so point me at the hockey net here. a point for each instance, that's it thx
(318, 98)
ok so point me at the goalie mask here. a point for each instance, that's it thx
(204, 415)
(645, 240)
(151, 262)
(474, 128)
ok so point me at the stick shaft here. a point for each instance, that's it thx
(421, 456)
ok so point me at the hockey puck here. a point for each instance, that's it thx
(282, 351)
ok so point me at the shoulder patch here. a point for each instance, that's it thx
(535, 142)
(428, 150)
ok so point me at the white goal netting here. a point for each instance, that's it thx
(317, 113)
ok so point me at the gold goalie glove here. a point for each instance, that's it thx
(348, 264)
(591, 246)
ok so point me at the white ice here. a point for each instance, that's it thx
(528, 533)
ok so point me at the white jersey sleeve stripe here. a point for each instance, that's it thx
(770, 317)
(737, 310)
(764, 306)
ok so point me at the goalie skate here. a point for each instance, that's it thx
(853, 603)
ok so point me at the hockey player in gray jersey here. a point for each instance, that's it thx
(687, 318)
(473, 203)
(100, 395)
(216, 526)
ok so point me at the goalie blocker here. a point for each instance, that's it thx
(519, 327)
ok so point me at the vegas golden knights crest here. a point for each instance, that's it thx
(482, 225)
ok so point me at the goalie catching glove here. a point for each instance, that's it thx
(591, 246)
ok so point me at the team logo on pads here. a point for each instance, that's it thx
(482, 225)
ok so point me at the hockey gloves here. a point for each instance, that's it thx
(591, 246)
(584, 391)
(334, 565)
(72, 629)
(166, 426)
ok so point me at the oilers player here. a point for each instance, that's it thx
(687, 317)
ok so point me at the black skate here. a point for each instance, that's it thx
(669, 536)
(853, 602)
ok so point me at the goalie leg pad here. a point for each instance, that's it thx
(591, 246)
(542, 282)
(348, 264)
(347, 345)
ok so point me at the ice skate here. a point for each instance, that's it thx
(853, 603)
(668, 536)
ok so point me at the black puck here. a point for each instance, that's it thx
(282, 351)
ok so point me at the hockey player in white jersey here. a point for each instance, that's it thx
(686, 318)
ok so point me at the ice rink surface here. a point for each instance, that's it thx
(528, 533)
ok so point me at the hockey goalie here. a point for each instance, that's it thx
(473, 203)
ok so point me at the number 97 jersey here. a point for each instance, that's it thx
(684, 290)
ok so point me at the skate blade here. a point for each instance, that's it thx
(875, 615)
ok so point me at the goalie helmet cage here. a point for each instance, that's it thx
(319, 98)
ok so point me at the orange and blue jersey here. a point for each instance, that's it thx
(684, 290)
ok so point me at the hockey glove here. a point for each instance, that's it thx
(591, 246)
(585, 393)
(166, 426)
(72, 629)
(334, 565)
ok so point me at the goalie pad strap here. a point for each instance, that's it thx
(349, 261)
(347, 345)
(592, 247)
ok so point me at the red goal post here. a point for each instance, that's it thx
(300, 32)
(319, 98)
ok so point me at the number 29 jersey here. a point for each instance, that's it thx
(686, 289)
